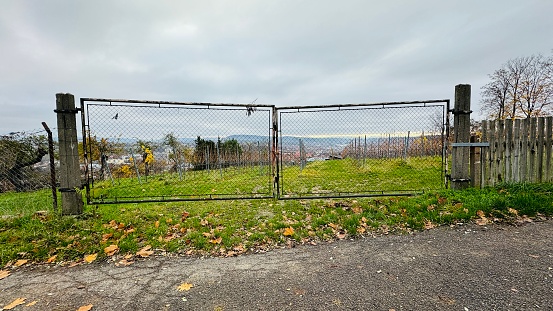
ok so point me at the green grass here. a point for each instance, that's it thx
(319, 177)
(227, 228)
(250, 226)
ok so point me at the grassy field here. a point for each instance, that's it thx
(319, 177)
(34, 232)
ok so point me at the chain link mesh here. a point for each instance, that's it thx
(149, 152)
(361, 150)
(24, 172)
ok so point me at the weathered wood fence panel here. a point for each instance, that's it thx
(519, 151)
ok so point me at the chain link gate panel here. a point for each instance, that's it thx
(144, 151)
(362, 149)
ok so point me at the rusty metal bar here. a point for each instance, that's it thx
(52, 167)
(384, 104)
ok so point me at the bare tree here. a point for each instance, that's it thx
(495, 95)
(536, 89)
(522, 87)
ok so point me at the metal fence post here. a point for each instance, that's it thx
(70, 175)
(460, 175)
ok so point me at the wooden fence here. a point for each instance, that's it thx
(520, 151)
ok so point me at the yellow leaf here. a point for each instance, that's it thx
(85, 308)
(90, 258)
(481, 214)
(216, 241)
(4, 274)
(106, 236)
(513, 211)
(185, 287)
(30, 304)
(145, 251)
(288, 231)
(156, 224)
(169, 220)
(111, 250)
(52, 259)
(20, 262)
(15, 303)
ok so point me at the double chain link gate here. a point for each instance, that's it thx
(154, 151)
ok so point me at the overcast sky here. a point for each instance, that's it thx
(281, 52)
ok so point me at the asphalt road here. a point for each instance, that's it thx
(467, 267)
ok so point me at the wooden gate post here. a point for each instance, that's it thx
(70, 174)
(460, 175)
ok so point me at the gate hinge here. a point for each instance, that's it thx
(457, 112)
(67, 110)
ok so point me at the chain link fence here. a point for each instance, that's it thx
(139, 151)
(25, 172)
(359, 150)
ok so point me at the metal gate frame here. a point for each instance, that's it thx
(370, 193)
(88, 167)
(276, 147)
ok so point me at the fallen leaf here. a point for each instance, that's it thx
(361, 230)
(20, 262)
(341, 235)
(357, 210)
(216, 241)
(169, 220)
(121, 226)
(85, 308)
(124, 262)
(145, 251)
(482, 221)
(184, 216)
(15, 303)
(52, 259)
(156, 224)
(32, 303)
(206, 234)
(513, 211)
(185, 287)
(288, 231)
(481, 214)
(534, 256)
(90, 258)
(204, 222)
(428, 225)
(111, 250)
(130, 230)
(4, 274)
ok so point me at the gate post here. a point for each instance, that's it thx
(460, 176)
(70, 174)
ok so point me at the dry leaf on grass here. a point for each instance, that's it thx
(145, 251)
(288, 231)
(52, 259)
(111, 250)
(216, 241)
(20, 262)
(15, 303)
(185, 287)
(4, 274)
(90, 258)
(428, 225)
(85, 308)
